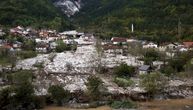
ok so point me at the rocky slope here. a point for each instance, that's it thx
(69, 7)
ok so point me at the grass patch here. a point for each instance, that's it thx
(123, 82)
(27, 54)
(5, 61)
(125, 104)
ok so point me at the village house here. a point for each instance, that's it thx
(43, 34)
(39, 40)
(18, 31)
(188, 45)
(70, 42)
(7, 46)
(32, 33)
(162, 48)
(113, 49)
(2, 33)
(183, 49)
(53, 45)
(1, 43)
(17, 45)
(119, 41)
(42, 47)
(87, 37)
(133, 40)
(172, 46)
(150, 45)
(71, 34)
(144, 69)
(169, 46)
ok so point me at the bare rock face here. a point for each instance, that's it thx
(69, 7)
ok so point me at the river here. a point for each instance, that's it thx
(173, 104)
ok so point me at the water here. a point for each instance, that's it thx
(174, 104)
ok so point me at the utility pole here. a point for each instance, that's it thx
(179, 29)
(132, 28)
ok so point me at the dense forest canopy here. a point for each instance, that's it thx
(37, 13)
(171, 18)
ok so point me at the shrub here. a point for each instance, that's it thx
(52, 56)
(39, 101)
(124, 70)
(122, 82)
(167, 70)
(27, 54)
(39, 65)
(62, 46)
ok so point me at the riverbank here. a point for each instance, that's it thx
(171, 104)
(64, 108)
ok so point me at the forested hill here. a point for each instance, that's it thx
(171, 19)
(37, 13)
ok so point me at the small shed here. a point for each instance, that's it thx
(144, 69)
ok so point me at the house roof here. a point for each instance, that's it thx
(188, 44)
(119, 39)
(144, 67)
(7, 46)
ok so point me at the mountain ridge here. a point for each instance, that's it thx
(161, 18)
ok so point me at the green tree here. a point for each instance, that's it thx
(94, 86)
(29, 45)
(56, 23)
(150, 55)
(23, 89)
(153, 83)
(59, 95)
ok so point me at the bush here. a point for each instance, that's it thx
(59, 95)
(39, 65)
(62, 46)
(126, 104)
(124, 70)
(167, 70)
(27, 54)
(122, 82)
(39, 101)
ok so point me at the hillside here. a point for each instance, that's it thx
(37, 13)
(170, 19)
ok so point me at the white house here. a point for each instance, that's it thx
(42, 47)
(2, 33)
(183, 49)
(118, 40)
(150, 45)
(72, 33)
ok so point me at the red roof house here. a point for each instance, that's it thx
(118, 40)
(188, 44)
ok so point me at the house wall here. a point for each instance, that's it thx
(142, 72)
